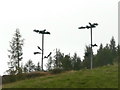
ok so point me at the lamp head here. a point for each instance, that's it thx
(81, 27)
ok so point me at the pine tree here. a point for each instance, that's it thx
(57, 62)
(49, 64)
(76, 62)
(98, 57)
(29, 66)
(67, 63)
(112, 45)
(38, 68)
(118, 53)
(87, 58)
(113, 48)
(106, 55)
(15, 53)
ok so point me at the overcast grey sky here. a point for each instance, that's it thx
(60, 17)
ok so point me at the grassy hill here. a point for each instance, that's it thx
(103, 77)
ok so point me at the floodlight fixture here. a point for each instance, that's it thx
(81, 27)
(48, 55)
(42, 31)
(37, 53)
(95, 45)
(39, 48)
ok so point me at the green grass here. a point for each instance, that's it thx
(103, 77)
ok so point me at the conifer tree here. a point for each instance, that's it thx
(29, 66)
(38, 68)
(49, 64)
(87, 58)
(16, 53)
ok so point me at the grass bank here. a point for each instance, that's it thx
(102, 77)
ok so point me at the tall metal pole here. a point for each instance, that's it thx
(42, 50)
(91, 49)
(42, 32)
(90, 27)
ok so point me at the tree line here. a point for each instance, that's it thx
(108, 54)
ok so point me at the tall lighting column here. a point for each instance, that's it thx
(90, 27)
(42, 32)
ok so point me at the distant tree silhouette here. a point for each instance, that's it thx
(29, 66)
(57, 61)
(38, 68)
(98, 56)
(76, 62)
(49, 64)
(113, 48)
(118, 54)
(16, 53)
(67, 63)
(106, 55)
(87, 58)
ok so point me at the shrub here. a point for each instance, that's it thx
(56, 71)
(13, 78)
(8, 78)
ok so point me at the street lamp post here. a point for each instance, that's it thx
(42, 50)
(90, 27)
(41, 32)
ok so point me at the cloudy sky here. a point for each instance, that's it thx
(62, 19)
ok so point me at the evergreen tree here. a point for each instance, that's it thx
(38, 68)
(49, 64)
(67, 63)
(25, 70)
(98, 57)
(116, 60)
(29, 66)
(76, 62)
(113, 49)
(106, 55)
(87, 58)
(73, 61)
(112, 45)
(15, 53)
(57, 62)
(103, 57)
(118, 51)
(100, 49)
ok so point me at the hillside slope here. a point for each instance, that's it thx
(103, 77)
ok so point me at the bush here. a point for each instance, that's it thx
(34, 74)
(13, 78)
(8, 78)
(56, 71)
